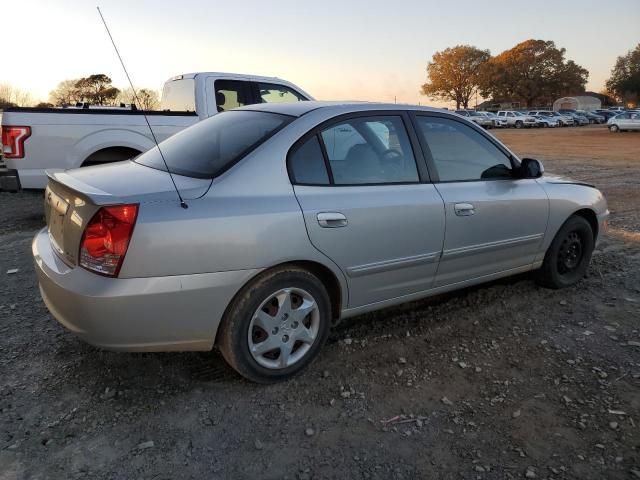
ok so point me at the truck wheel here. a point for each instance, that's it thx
(568, 256)
(519, 124)
(276, 325)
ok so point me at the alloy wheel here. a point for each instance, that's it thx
(283, 328)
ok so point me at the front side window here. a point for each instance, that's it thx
(231, 94)
(209, 147)
(370, 150)
(271, 93)
(460, 153)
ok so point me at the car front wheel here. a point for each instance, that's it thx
(276, 325)
(614, 128)
(569, 254)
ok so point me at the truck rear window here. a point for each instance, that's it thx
(211, 146)
(179, 96)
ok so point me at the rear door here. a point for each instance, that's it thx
(368, 204)
(495, 222)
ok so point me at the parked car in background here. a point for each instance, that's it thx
(517, 119)
(298, 215)
(478, 118)
(607, 114)
(563, 121)
(593, 117)
(578, 119)
(546, 122)
(624, 121)
(497, 121)
(39, 139)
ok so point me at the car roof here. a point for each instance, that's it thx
(297, 109)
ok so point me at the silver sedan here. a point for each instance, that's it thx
(295, 216)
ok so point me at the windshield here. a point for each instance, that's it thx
(211, 146)
(476, 114)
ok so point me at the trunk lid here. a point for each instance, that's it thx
(73, 197)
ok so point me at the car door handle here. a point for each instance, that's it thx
(464, 209)
(331, 220)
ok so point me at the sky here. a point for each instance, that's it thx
(334, 49)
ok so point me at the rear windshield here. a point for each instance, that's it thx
(179, 96)
(209, 147)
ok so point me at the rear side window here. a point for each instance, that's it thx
(307, 165)
(232, 94)
(179, 96)
(209, 147)
(370, 150)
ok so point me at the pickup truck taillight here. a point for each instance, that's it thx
(13, 141)
(106, 238)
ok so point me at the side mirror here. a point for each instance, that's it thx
(531, 168)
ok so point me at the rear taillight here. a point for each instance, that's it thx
(106, 238)
(13, 141)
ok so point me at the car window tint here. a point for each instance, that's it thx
(231, 94)
(370, 150)
(271, 93)
(460, 153)
(307, 163)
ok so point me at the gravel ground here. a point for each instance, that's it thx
(506, 380)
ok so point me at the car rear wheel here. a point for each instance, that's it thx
(614, 128)
(276, 325)
(568, 256)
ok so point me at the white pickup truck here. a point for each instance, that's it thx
(39, 139)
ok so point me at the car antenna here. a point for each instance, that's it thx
(183, 204)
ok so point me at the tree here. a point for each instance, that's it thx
(531, 72)
(65, 93)
(148, 98)
(625, 76)
(96, 89)
(11, 96)
(453, 74)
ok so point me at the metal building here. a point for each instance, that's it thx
(577, 103)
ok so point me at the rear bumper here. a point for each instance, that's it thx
(173, 313)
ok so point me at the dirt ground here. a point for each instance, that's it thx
(506, 380)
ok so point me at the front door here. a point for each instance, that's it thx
(495, 222)
(368, 207)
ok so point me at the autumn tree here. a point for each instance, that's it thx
(65, 93)
(531, 72)
(453, 74)
(625, 76)
(148, 99)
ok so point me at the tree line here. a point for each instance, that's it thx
(533, 72)
(96, 89)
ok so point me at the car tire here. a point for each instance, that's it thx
(519, 124)
(614, 128)
(568, 256)
(267, 295)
